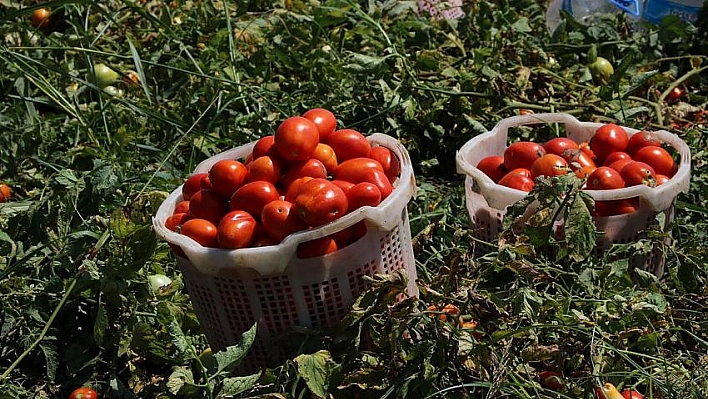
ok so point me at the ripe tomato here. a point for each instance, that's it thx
(675, 94)
(192, 185)
(262, 146)
(525, 111)
(559, 144)
(40, 18)
(578, 159)
(363, 194)
(517, 181)
(658, 158)
(493, 166)
(661, 179)
(174, 222)
(344, 185)
(349, 144)
(616, 156)
(253, 196)
(206, 204)
(520, 171)
(551, 380)
(642, 139)
(607, 139)
(311, 167)
(324, 120)
(263, 168)
(83, 393)
(615, 207)
(352, 170)
(636, 173)
(604, 178)
(205, 183)
(379, 179)
(317, 247)
(619, 164)
(182, 207)
(319, 202)
(278, 221)
(227, 176)
(326, 155)
(585, 148)
(628, 393)
(387, 159)
(449, 313)
(522, 154)
(296, 138)
(237, 229)
(5, 193)
(202, 231)
(294, 188)
(549, 165)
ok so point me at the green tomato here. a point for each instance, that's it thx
(105, 76)
(601, 69)
(158, 282)
(113, 91)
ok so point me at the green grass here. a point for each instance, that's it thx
(88, 170)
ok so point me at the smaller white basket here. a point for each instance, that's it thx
(232, 289)
(487, 201)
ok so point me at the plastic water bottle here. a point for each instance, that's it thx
(687, 10)
(586, 11)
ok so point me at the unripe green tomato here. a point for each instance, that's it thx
(601, 69)
(113, 91)
(105, 76)
(158, 282)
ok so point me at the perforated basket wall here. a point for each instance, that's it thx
(486, 201)
(230, 290)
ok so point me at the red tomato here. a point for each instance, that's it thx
(661, 179)
(317, 247)
(522, 154)
(636, 173)
(205, 183)
(294, 188)
(578, 159)
(206, 204)
(585, 148)
(493, 166)
(324, 120)
(296, 138)
(628, 393)
(584, 172)
(40, 18)
(278, 220)
(658, 158)
(326, 155)
(549, 165)
(642, 139)
(607, 139)
(616, 156)
(253, 196)
(192, 185)
(605, 178)
(319, 202)
(525, 111)
(175, 221)
(352, 170)
(517, 181)
(311, 167)
(264, 168)
(379, 179)
(615, 207)
(237, 229)
(675, 94)
(619, 164)
(363, 194)
(182, 207)
(344, 185)
(559, 144)
(227, 176)
(349, 144)
(5, 193)
(358, 231)
(520, 171)
(202, 231)
(551, 380)
(83, 393)
(387, 159)
(262, 146)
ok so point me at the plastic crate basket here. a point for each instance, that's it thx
(232, 289)
(486, 201)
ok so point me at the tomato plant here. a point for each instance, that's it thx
(607, 139)
(202, 231)
(237, 229)
(319, 202)
(83, 393)
(325, 121)
(349, 144)
(658, 158)
(227, 176)
(522, 154)
(296, 138)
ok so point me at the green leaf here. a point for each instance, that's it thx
(235, 385)
(521, 25)
(180, 377)
(51, 358)
(230, 357)
(100, 324)
(580, 230)
(316, 369)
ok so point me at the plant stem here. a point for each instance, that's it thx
(42, 334)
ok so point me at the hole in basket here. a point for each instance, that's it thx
(324, 303)
(275, 298)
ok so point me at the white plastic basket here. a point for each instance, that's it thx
(487, 202)
(232, 289)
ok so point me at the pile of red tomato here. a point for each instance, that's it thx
(307, 174)
(611, 159)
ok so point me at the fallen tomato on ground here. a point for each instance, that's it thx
(83, 393)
